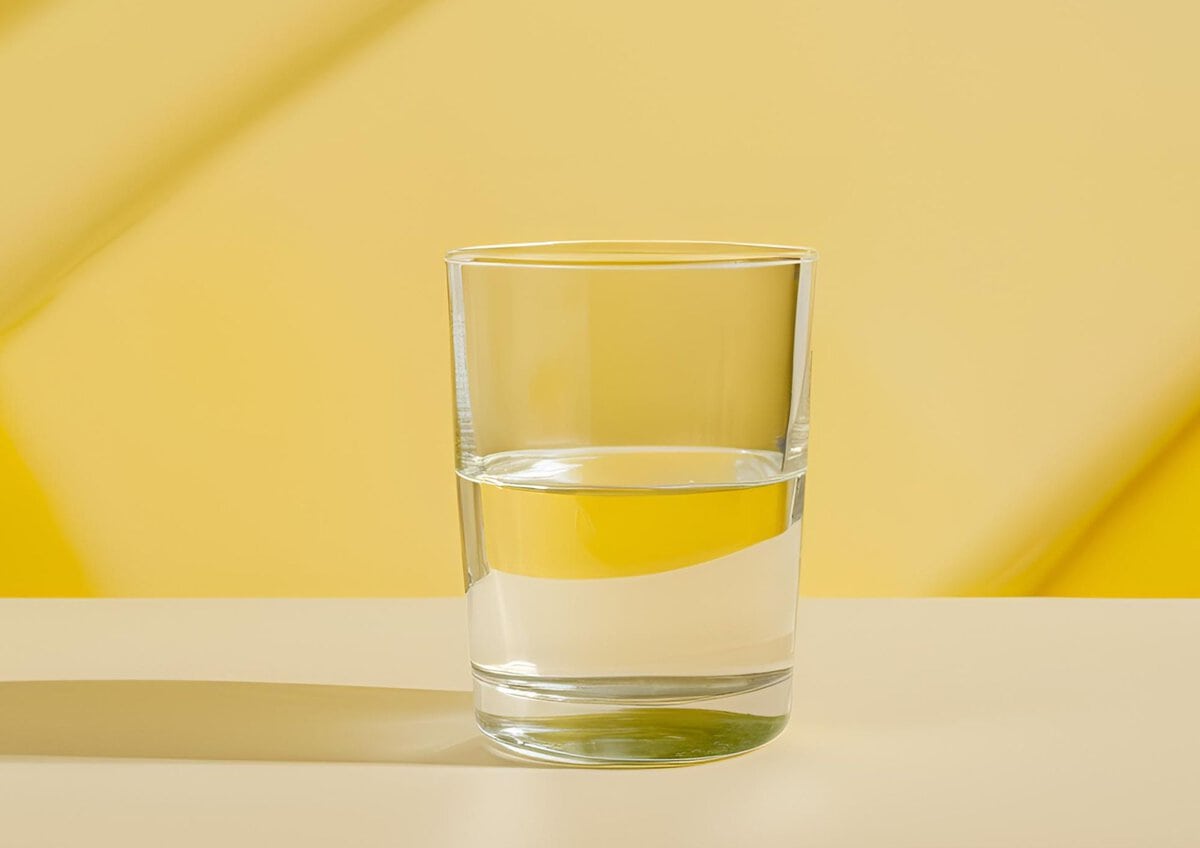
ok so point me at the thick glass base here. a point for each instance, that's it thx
(632, 721)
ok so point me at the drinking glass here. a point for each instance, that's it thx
(632, 431)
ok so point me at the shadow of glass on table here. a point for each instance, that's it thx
(266, 722)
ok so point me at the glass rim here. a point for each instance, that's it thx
(630, 254)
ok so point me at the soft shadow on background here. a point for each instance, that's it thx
(207, 720)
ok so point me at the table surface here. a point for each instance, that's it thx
(947, 722)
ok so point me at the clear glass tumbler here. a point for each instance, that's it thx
(632, 429)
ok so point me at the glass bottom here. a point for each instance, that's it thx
(632, 721)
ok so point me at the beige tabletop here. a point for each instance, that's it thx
(347, 723)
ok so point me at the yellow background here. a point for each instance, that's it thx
(224, 355)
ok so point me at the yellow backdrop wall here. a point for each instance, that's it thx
(224, 360)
